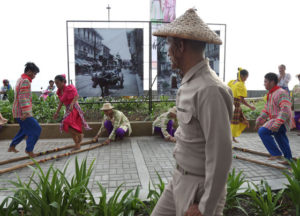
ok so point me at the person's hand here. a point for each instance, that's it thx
(253, 108)
(106, 142)
(172, 139)
(71, 106)
(274, 129)
(193, 211)
(25, 116)
(95, 139)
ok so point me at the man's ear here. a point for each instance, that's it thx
(181, 46)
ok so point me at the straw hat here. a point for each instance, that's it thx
(107, 106)
(189, 26)
(173, 110)
(2, 120)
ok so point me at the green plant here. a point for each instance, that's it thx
(115, 205)
(293, 188)
(264, 200)
(154, 194)
(53, 196)
(6, 111)
(234, 183)
(11, 95)
(253, 114)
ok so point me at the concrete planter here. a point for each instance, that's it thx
(51, 131)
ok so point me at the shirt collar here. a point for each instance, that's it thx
(25, 76)
(188, 76)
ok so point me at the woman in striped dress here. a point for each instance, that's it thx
(239, 122)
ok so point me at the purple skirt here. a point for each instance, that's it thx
(297, 117)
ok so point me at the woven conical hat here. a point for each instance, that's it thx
(189, 26)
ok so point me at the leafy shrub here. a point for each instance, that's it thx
(264, 200)
(234, 183)
(293, 188)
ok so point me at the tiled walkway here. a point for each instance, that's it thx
(135, 161)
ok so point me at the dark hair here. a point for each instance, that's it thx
(51, 81)
(60, 78)
(244, 73)
(272, 77)
(30, 66)
(282, 65)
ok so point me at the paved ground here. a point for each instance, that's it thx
(135, 161)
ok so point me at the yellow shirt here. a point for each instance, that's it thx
(238, 88)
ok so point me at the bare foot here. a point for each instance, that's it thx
(274, 157)
(31, 154)
(284, 162)
(234, 140)
(76, 147)
(12, 149)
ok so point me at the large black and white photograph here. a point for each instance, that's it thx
(168, 79)
(212, 52)
(109, 62)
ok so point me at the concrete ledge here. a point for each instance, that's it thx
(51, 131)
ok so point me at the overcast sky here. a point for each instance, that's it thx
(261, 34)
(116, 41)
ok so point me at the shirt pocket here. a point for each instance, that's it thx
(184, 117)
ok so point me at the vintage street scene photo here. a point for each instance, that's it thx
(168, 80)
(109, 62)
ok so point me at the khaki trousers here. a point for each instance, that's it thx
(181, 192)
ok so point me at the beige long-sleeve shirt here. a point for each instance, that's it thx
(203, 147)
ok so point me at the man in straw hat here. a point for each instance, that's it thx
(296, 103)
(204, 110)
(115, 123)
(164, 124)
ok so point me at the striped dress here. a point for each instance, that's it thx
(277, 111)
(23, 98)
(239, 121)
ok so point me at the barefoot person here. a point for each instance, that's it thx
(73, 120)
(239, 122)
(114, 122)
(296, 103)
(275, 119)
(22, 111)
(164, 125)
(203, 138)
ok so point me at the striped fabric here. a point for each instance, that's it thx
(277, 111)
(238, 116)
(22, 103)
